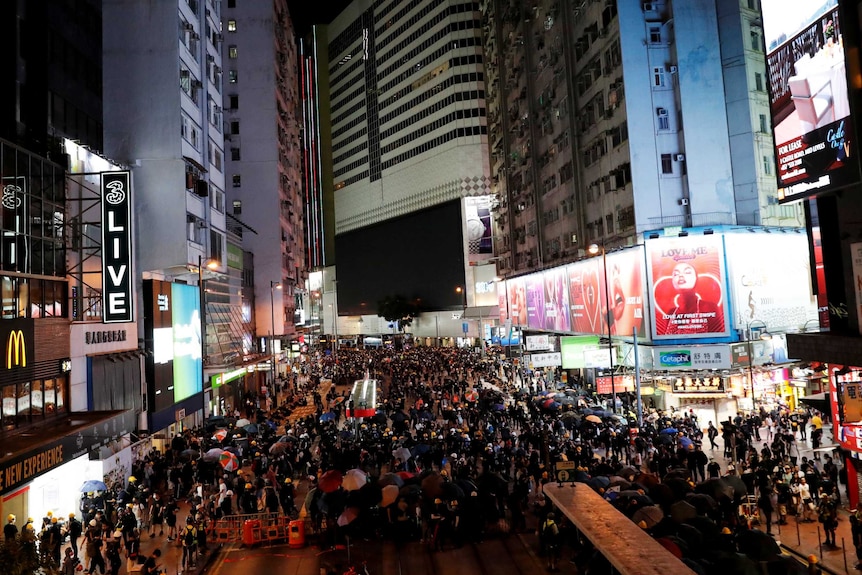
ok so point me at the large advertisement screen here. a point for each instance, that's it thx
(585, 296)
(158, 325)
(535, 290)
(769, 276)
(186, 316)
(810, 106)
(517, 301)
(686, 277)
(625, 281)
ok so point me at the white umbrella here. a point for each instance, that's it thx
(242, 423)
(354, 479)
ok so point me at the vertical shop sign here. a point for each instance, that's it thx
(117, 300)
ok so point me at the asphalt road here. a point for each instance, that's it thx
(513, 555)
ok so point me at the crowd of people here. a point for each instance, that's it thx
(460, 449)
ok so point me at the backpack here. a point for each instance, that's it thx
(550, 531)
(189, 538)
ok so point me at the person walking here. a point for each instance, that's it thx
(712, 433)
(764, 504)
(550, 535)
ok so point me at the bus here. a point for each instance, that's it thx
(363, 399)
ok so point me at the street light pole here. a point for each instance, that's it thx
(594, 249)
(272, 287)
(751, 355)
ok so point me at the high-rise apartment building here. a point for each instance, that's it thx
(263, 148)
(163, 86)
(609, 118)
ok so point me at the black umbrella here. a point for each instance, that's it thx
(390, 479)
(399, 417)
(450, 491)
(738, 485)
(715, 488)
(467, 486)
(332, 503)
(757, 545)
(702, 503)
(680, 487)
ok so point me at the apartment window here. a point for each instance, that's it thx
(231, 52)
(231, 25)
(666, 163)
(609, 223)
(231, 76)
(233, 99)
(767, 165)
(755, 41)
(218, 200)
(758, 81)
(764, 124)
(217, 158)
(655, 34)
(237, 181)
(231, 3)
(237, 207)
(234, 127)
(234, 154)
(663, 119)
(658, 74)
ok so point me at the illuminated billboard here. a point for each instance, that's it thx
(687, 284)
(186, 317)
(769, 276)
(585, 296)
(556, 300)
(810, 106)
(517, 301)
(535, 291)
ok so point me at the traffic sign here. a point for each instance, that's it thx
(565, 471)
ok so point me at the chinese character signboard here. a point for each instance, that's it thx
(695, 357)
(714, 384)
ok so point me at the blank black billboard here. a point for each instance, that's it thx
(418, 256)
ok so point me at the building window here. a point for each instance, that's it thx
(231, 76)
(666, 163)
(231, 3)
(655, 34)
(233, 99)
(234, 154)
(758, 81)
(231, 52)
(237, 181)
(663, 119)
(231, 25)
(237, 207)
(755, 41)
(767, 165)
(658, 74)
(234, 127)
(764, 124)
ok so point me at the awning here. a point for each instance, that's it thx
(819, 401)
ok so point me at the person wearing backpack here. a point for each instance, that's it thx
(190, 542)
(550, 535)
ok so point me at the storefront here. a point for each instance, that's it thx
(47, 476)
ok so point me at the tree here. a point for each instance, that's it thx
(397, 308)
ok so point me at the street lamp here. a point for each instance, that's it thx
(463, 293)
(765, 336)
(594, 250)
(210, 265)
(272, 287)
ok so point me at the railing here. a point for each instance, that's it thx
(273, 527)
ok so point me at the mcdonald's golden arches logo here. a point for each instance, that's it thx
(16, 349)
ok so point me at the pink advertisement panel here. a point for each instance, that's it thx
(502, 302)
(535, 301)
(687, 284)
(556, 300)
(517, 301)
(585, 296)
(626, 281)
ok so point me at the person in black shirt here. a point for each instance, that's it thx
(10, 530)
(151, 565)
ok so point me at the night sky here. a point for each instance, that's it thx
(307, 12)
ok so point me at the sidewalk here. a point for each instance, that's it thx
(805, 539)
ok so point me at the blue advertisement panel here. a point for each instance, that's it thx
(186, 315)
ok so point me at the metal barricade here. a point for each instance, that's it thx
(273, 527)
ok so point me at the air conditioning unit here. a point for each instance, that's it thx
(682, 201)
(188, 26)
(680, 157)
(674, 69)
(661, 112)
(649, 6)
